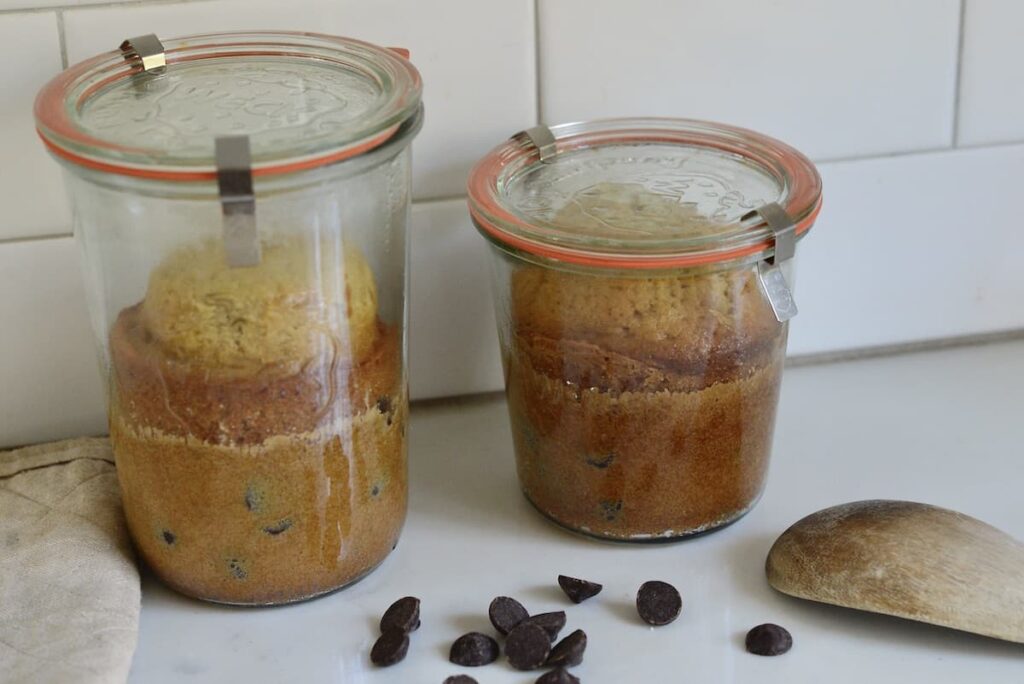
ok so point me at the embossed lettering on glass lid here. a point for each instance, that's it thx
(280, 106)
(645, 193)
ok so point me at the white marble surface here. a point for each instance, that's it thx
(942, 427)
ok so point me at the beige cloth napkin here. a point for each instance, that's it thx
(69, 588)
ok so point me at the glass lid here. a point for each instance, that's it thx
(303, 100)
(646, 193)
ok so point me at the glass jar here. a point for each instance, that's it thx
(241, 213)
(640, 278)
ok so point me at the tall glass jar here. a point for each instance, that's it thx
(241, 213)
(641, 277)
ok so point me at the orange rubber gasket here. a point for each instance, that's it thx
(482, 178)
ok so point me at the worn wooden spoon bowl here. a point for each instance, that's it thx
(906, 559)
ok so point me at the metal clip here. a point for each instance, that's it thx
(147, 50)
(543, 139)
(769, 271)
(237, 200)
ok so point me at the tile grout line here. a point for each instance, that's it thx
(96, 5)
(536, 61)
(33, 238)
(903, 348)
(440, 198)
(62, 39)
(959, 74)
(921, 152)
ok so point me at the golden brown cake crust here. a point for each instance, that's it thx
(224, 406)
(302, 297)
(678, 323)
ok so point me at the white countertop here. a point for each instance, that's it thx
(943, 427)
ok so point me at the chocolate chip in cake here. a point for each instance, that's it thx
(460, 679)
(169, 537)
(402, 615)
(473, 650)
(506, 613)
(551, 623)
(390, 648)
(278, 527)
(529, 437)
(610, 509)
(375, 491)
(658, 603)
(527, 646)
(578, 590)
(253, 499)
(600, 462)
(237, 568)
(559, 676)
(769, 640)
(569, 651)
(385, 407)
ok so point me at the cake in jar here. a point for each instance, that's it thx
(642, 403)
(257, 418)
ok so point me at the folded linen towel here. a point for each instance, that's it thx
(69, 586)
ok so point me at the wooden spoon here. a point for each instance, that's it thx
(906, 559)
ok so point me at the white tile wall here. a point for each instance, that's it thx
(835, 79)
(31, 196)
(50, 385)
(453, 341)
(991, 87)
(914, 246)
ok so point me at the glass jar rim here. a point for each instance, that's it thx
(60, 102)
(500, 222)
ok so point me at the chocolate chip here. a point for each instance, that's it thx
(658, 603)
(402, 615)
(278, 527)
(390, 648)
(386, 408)
(527, 646)
(769, 640)
(578, 590)
(237, 568)
(473, 650)
(569, 651)
(460, 679)
(506, 613)
(610, 509)
(552, 623)
(559, 676)
(169, 537)
(253, 499)
(375, 491)
(600, 462)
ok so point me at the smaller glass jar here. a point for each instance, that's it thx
(248, 304)
(642, 315)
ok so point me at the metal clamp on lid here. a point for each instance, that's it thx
(237, 200)
(147, 50)
(769, 271)
(543, 139)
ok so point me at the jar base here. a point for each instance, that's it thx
(642, 539)
(265, 604)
